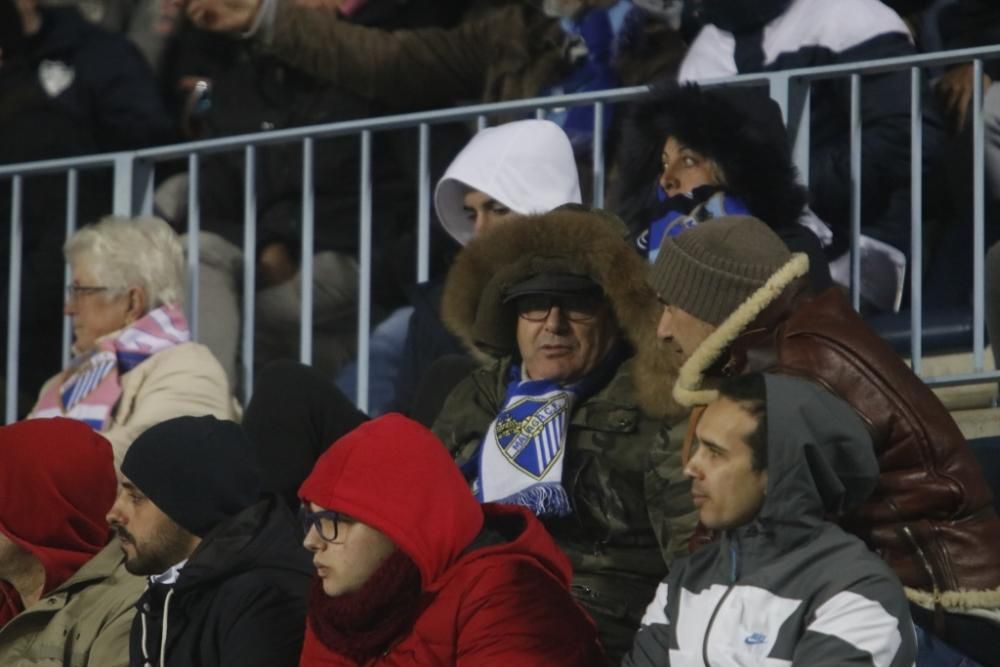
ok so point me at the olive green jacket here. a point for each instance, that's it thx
(85, 622)
(609, 538)
(622, 467)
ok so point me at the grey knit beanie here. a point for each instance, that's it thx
(710, 270)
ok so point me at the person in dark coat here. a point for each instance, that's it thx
(67, 88)
(228, 581)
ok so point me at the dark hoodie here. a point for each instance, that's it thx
(239, 600)
(790, 585)
(495, 587)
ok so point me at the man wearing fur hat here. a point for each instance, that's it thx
(735, 302)
(228, 581)
(552, 421)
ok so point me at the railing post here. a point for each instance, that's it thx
(978, 217)
(794, 98)
(133, 186)
(916, 220)
(598, 154)
(72, 190)
(14, 300)
(424, 205)
(365, 271)
(249, 265)
(308, 245)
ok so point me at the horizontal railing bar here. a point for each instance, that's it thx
(60, 165)
(473, 112)
(983, 377)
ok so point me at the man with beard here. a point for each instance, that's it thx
(65, 597)
(227, 580)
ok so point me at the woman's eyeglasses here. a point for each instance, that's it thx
(325, 521)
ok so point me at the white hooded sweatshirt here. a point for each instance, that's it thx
(527, 165)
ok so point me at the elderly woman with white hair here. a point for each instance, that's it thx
(134, 363)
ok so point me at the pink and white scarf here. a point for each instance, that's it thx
(91, 386)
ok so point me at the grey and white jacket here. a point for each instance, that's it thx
(790, 588)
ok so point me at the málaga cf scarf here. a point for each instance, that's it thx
(520, 460)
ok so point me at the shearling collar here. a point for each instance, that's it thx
(688, 390)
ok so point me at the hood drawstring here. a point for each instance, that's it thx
(163, 632)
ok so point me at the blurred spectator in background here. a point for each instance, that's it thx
(221, 87)
(143, 22)
(67, 88)
(512, 52)
(742, 36)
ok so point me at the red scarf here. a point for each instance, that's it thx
(363, 624)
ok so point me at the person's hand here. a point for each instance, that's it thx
(221, 15)
(956, 89)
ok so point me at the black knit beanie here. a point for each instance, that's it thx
(199, 471)
(708, 271)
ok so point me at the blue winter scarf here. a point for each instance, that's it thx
(684, 211)
(520, 459)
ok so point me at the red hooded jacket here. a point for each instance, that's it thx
(57, 483)
(504, 604)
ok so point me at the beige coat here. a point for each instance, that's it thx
(182, 380)
(85, 622)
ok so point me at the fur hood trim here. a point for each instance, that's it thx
(573, 240)
(688, 390)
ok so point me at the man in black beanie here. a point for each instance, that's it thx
(228, 580)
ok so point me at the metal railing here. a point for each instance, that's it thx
(135, 173)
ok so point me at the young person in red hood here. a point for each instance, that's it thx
(412, 570)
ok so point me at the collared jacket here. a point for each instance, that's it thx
(609, 537)
(84, 622)
(789, 587)
(239, 600)
(931, 517)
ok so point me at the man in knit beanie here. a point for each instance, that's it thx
(735, 301)
(227, 579)
(63, 590)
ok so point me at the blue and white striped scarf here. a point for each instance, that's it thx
(520, 459)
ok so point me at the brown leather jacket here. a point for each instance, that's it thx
(931, 516)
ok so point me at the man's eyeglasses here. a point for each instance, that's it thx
(325, 521)
(74, 292)
(575, 307)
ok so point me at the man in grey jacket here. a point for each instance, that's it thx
(774, 456)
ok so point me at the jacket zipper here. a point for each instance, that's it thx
(722, 600)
